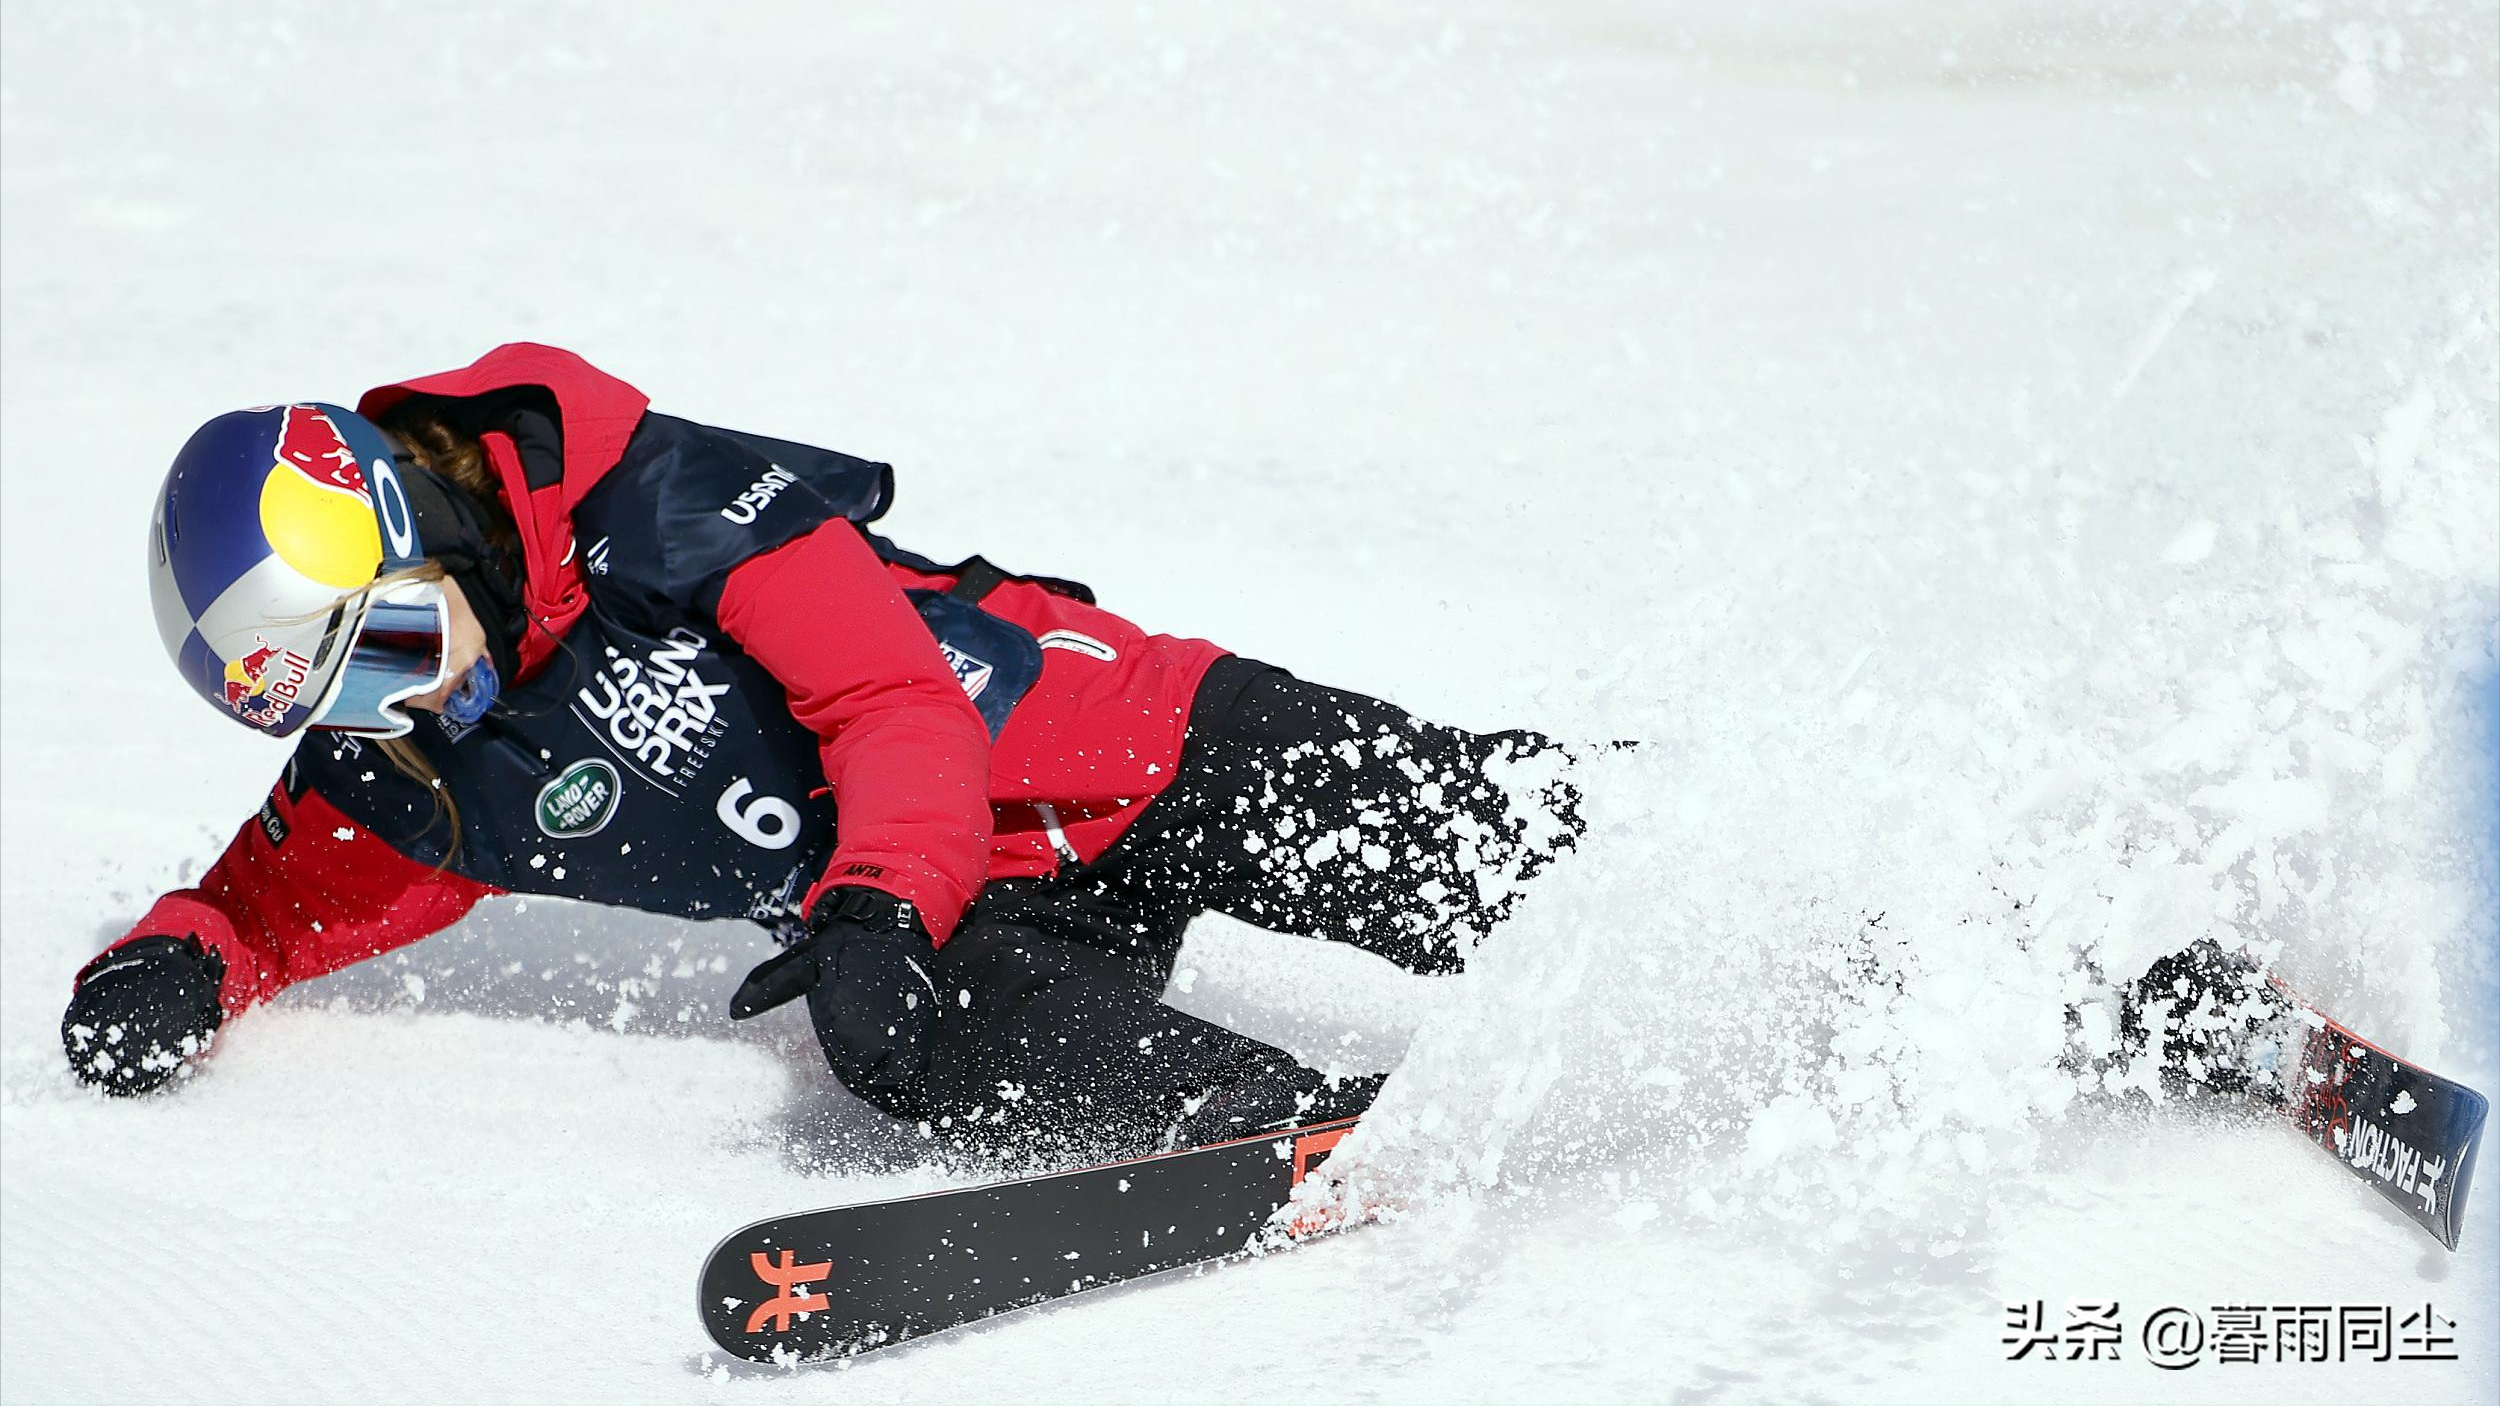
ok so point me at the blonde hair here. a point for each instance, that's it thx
(422, 435)
(402, 753)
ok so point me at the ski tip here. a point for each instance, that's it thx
(2467, 1134)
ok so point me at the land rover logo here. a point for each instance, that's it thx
(579, 801)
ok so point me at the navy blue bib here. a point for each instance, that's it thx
(664, 774)
(651, 763)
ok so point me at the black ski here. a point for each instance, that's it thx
(850, 1279)
(2407, 1132)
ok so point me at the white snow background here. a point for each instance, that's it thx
(1987, 451)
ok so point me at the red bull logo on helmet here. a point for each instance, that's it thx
(266, 682)
(316, 507)
(313, 446)
(247, 676)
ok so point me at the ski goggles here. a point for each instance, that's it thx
(397, 650)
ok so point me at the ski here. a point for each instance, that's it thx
(834, 1283)
(2407, 1132)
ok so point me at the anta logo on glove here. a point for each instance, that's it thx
(759, 494)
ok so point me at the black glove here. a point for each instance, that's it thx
(864, 968)
(140, 1010)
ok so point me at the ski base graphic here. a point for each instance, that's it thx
(834, 1283)
(2409, 1133)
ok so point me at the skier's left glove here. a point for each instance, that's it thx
(864, 968)
(140, 1011)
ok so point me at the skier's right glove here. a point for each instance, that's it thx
(140, 1011)
(864, 968)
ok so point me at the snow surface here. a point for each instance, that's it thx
(1985, 450)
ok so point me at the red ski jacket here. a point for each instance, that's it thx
(929, 806)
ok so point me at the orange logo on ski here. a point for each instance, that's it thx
(1309, 1150)
(785, 1278)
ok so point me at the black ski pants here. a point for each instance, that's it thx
(1297, 808)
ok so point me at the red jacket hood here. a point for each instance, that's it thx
(596, 413)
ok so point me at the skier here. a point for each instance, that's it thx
(535, 638)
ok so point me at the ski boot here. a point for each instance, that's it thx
(1278, 1095)
(2213, 1023)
